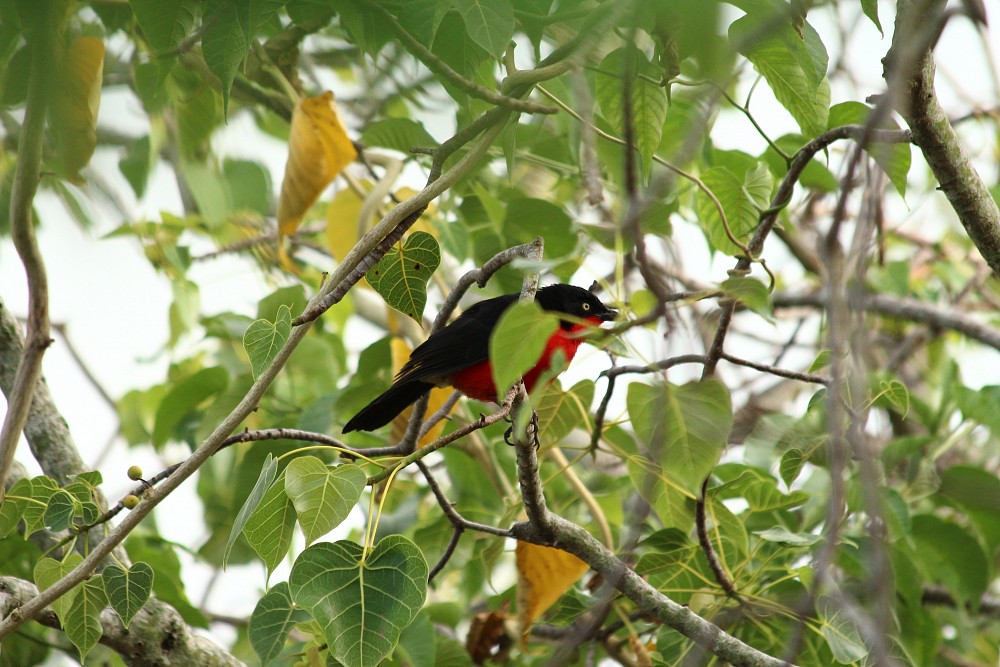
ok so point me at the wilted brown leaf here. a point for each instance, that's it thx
(488, 636)
(318, 150)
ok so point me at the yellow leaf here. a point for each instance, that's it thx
(76, 103)
(544, 575)
(342, 224)
(318, 150)
(400, 353)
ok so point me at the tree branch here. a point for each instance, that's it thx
(156, 635)
(934, 134)
(571, 538)
(26, 178)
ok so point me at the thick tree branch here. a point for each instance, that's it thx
(156, 636)
(933, 132)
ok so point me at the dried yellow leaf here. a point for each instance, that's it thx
(318, 150)
(76, 102)
(400, 353)
(544, 575)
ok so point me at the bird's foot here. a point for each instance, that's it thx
(531, 431)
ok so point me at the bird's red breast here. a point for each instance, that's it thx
(476, 381)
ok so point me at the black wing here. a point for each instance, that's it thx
(461, 344)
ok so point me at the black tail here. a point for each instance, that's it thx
(382, 410)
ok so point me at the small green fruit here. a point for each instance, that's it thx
(131, 501)
(135, 472)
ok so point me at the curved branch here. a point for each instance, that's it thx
(934, 135)
(26, 178)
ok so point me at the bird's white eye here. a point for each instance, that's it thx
(586, 306)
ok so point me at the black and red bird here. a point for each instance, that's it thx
(458, 354)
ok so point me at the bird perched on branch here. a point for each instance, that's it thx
(458, 354)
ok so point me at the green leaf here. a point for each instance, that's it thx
(362, 602)
(791, 465)
(59, 512)
(400, 134)
(185, 397)
(821, 361)
(649, 101)
(165, 24)
(952, 557)
(972, 487)
(268, 471)
(323, 497)
(793, 66)
(784, 536)
(269, 528)
(402, 274)
(271, 621)
(417, 645)
(83, 620)
(518, 341)
(526, 218)
(48, 571)
(183, 309)
(168, 585)
(751, 292)
(742, 200)
(229, 28)
(896, 394)
(33, 510)
(870, 8)
(559, 412)
(894, 159)
(840, 632)
(763, 496)
(490, 23)
(422, 19)
(263, 339)
(684, 428)
(129, 589)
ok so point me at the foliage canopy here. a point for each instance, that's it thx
(775, 443)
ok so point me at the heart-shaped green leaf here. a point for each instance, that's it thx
(48, 571)
(363, 605)
(83, 619)
(684, 428)
(272, 619)
(402, 274)
(129, 589)
(323, 496)
(264, 338)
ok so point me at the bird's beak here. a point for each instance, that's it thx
(609, 315)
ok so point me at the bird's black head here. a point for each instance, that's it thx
(575, 301)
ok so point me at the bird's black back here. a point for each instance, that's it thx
(463, 343)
